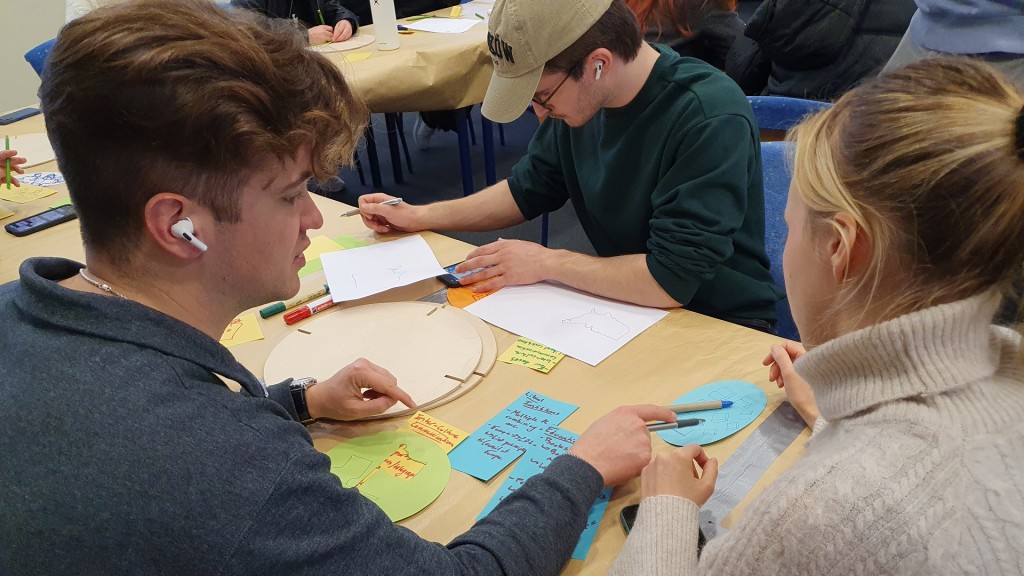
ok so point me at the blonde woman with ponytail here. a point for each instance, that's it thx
(906, 232)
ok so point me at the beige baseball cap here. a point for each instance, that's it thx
(522, 35)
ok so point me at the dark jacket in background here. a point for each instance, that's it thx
(712, 37)
(303, 10)
(403, 8)
(816, 49)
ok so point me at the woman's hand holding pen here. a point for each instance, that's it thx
(674, 473)
(358, 390)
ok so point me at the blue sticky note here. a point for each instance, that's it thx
(593, 520)
(505, 437)
(556, 442)
(748, 401)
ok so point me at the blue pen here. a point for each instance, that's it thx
(713, 405)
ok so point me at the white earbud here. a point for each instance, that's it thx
(600, 67)
(183, 229)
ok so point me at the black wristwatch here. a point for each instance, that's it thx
(298, 389)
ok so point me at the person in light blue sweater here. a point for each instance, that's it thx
(123, 450)
(991, 30)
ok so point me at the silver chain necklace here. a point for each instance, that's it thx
(100, 284)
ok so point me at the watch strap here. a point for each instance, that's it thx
(298, 391)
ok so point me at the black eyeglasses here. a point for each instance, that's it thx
(544, 103)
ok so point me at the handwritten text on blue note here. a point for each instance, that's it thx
(505, 437)
(555, 443)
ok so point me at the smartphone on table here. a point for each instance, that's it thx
(17, 115)
(41, 221)
(451, 279)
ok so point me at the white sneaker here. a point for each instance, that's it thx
(422, 133)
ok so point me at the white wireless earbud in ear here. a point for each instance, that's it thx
(183, 229)
(599, 67)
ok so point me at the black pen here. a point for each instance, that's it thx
(674, 425)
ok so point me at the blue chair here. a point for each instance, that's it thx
(776, 114)
(776, 175)
(36, 57)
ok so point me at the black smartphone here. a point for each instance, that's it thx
(451, 279)
(41, 221)
(18, 115)
(628, 517)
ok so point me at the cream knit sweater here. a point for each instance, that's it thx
(919, 471)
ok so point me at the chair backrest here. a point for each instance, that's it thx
(776, 190)
(36, 57)
(776, 114)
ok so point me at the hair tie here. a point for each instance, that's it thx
(1020, 134)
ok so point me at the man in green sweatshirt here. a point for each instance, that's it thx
(658, 154)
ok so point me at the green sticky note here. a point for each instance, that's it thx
(64, 202)
(351, 242)
(401, 472)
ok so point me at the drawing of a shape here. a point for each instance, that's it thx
(604, 324)
(231, 330)
(351, 471)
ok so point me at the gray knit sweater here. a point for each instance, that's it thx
(919, 471)
(121, 452)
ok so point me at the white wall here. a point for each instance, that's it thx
(24, 24)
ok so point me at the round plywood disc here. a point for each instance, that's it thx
(357, 41)
(432, 350)
(488, 355)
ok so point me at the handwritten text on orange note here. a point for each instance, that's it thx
(444, 435)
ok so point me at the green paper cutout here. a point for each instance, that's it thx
(355, 460)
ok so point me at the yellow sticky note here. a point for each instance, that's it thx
(319, 245)
(456, 11)
(357, 56)
(531, 354)
(25, 193)
(444, 435)
(241, 330)
(5, 213)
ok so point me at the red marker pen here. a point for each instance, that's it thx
(303, 312)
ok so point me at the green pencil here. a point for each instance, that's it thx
(7, 146)
(321, 16)
(415, 18)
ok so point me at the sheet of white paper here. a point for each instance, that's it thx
(580, 325)
(443, 25)
(360, 272)
(33, 147)
(473, 8)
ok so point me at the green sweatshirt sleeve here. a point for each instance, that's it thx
(700, 205)
(537, 181)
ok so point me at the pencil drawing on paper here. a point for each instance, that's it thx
(351, 471)
(600, 323)
(389, 276)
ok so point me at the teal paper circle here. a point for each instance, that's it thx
(748, 401)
